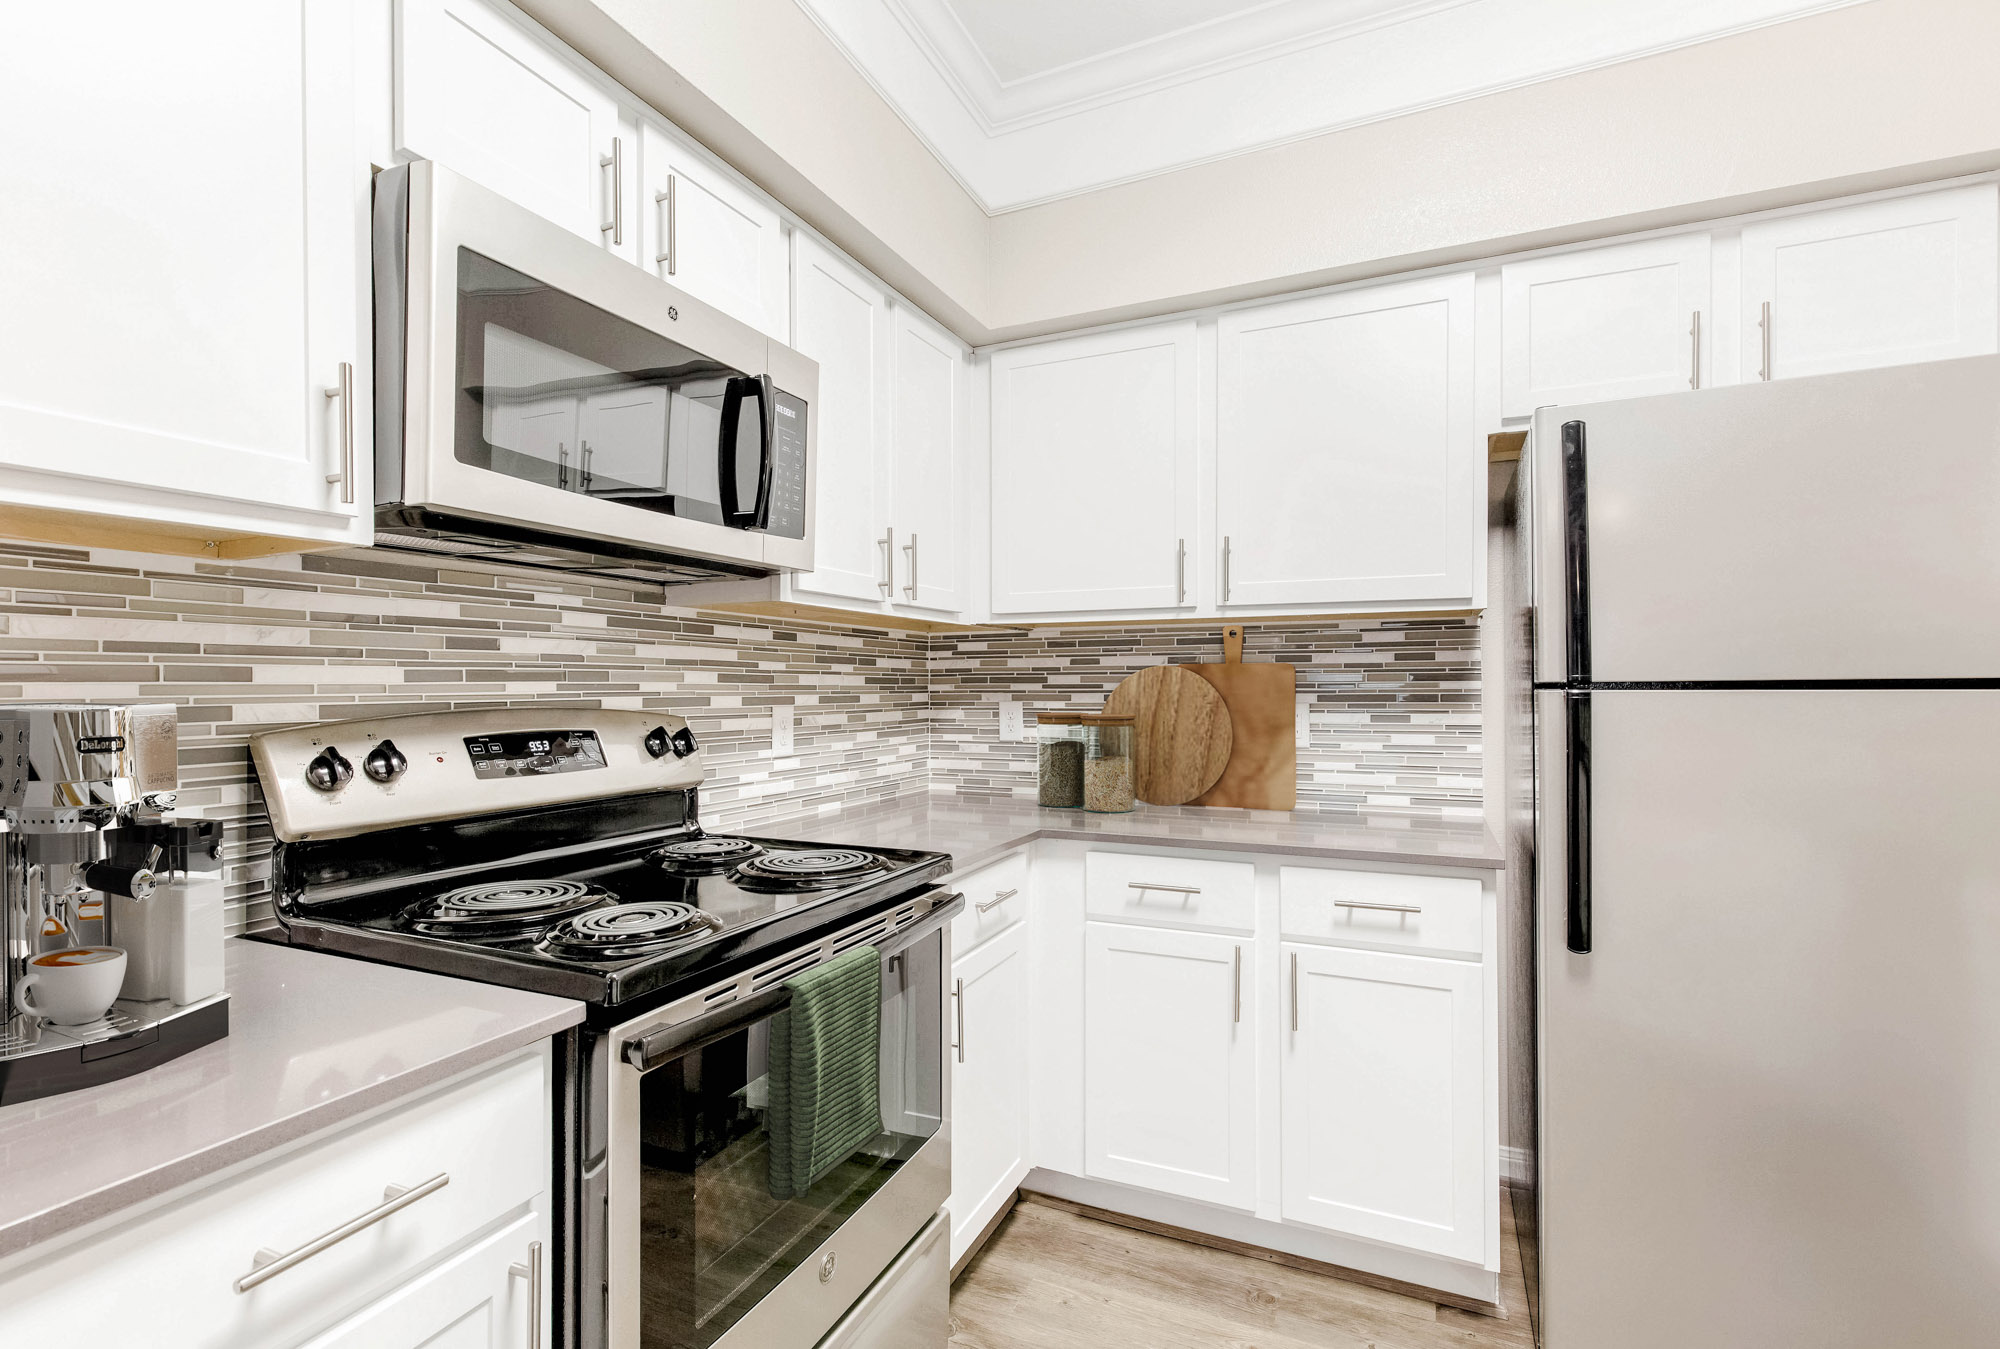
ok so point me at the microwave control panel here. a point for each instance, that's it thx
(788, 469)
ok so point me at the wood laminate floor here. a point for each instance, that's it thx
(1051, 1279)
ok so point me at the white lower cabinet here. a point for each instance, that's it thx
(435, 1271)
(1382, 1113)
(989, 1089)
(1169, 1096)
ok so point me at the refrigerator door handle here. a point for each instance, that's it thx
(1576, 719)
(1576, 551)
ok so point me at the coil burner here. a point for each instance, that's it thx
(809, 869)
(703, 856)
(504, 906)
(622, 930)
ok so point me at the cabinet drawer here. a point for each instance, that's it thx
(1181, 891)
(1382, 909)
(996, 898)
(175, 1268)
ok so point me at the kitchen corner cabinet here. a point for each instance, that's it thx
(1350, 468)
(1169, 1098)
(1881, 283)
(707, 234)
(1093, 472)
(1602, 323)
(167, 342)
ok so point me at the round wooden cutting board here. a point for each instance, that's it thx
(1181, 735)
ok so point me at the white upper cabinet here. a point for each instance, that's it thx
(1383, 1118)
(1093, 472)
(1169, 1084)
(841, 320)
(169, 334)
(710, 236)
(1883, 283)
(926, 433)
(480, 94)
(1616, 322)
(1350, 468)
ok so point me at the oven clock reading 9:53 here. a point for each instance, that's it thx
(532, 753)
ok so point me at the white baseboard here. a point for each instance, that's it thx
(1517, 1166)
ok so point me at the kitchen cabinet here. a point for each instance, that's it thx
(168, 347)
(1169, 1090)
(926, 434)
(1382, 1121)
(1616, 322)
(1880, 283)
(1350, 468)
(481, 1299)
(481, 94)
(706, 233)
(989, 1086)
(1093, 476)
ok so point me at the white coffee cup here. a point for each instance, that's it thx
(72, 987)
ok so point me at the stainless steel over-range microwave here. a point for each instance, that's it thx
(541, 402)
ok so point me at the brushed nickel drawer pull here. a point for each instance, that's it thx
(268, 1264)
(910, 550)
(672, 256)
(1764, 323)
(532, 1272)
(1295, 992)
(1180, 571)
(958, 999)
(1236, 987)
(999, 897)
(1385, 908)
(1170, 889)
(888, 547)
(344, 391)
(615, 161)
(1694, 363)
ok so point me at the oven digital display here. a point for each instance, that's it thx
(527, 753)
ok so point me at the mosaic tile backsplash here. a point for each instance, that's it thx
(244, 646)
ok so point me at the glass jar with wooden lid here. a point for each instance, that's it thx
(1086, 761)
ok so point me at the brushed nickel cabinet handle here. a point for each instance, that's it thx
(1694, 357)
(1170, 889)
(1764, 323)
(1180, 571)
(1236, 987)
(1295, 992)
(672, 254)
(344, 391)
(1385, 908)
(583, 479)
(269, 1264)
(958, 1000)
(910, 548)
(562, 467)
(532, 1272)
(999, 897)
(888, 544)
(1225, 568)
(615, 161)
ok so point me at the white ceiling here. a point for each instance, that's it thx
(1030, 100)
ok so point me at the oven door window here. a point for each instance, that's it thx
(720, 1227)
(557, 392)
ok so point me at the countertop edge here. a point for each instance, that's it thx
(1058, 833)
(87, 1208)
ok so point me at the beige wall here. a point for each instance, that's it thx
(1876, 95)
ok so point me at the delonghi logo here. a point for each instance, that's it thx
(100, 744)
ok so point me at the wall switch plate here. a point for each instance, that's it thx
(783, 719)
(1302, 734)
(1013, 726)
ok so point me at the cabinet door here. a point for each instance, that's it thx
(989, 1084)
(710, 236)
(926, 416)
(1884, 283)
(1349, 465)
(1615, 322)
(1093, 472)
(1384, 1098)
(480, 1299)
(622, 439)
(482, 95)
(1169, 1096)
(167, 335)
(841, 320)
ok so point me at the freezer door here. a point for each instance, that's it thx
(1841, 527)
(1770, 1094)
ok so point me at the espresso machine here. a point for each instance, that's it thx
(97, 868)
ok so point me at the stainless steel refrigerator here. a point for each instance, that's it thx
(1766, 814)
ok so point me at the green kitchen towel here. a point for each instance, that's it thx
(826, 1049)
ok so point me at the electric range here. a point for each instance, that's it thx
(559, 850)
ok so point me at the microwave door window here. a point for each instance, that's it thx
(694, 456)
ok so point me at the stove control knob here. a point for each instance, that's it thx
(329, 771)
(385, 763)
(684, 743)
(656, 741)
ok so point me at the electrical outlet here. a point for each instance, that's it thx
(782, 722)
(1303, 731)
(1013, 726)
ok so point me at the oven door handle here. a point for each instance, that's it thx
(647, 1050)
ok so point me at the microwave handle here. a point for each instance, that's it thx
(759, 514)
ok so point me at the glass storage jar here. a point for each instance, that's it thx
(1107, 764)
(1059, 762)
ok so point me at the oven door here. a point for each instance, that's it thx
(704, 1249)
(547, 383)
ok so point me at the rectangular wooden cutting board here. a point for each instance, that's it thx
(1263, 771)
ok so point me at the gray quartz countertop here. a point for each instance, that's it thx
(976, 829)
(313, 1039)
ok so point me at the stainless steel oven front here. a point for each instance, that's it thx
(687, 1240)
(537, 396)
